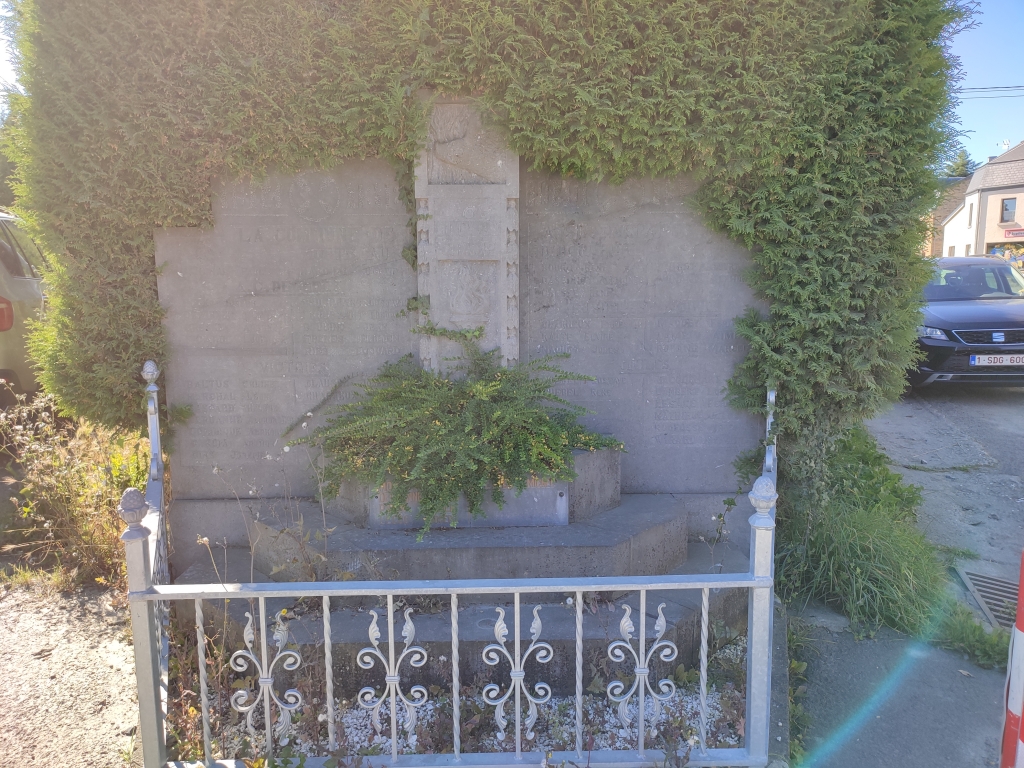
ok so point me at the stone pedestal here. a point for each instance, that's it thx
(467, 198)
(543, 503)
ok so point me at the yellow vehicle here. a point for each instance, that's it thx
(21, 298)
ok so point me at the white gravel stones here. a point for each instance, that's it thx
(554, 730)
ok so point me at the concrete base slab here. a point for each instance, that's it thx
(225, 619)
(645, 535)
(227, 522)
(704, 509)
(595, 490)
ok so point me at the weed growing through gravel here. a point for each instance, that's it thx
(798, 642)
(184, 714)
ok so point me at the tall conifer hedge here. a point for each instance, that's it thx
(813, 125)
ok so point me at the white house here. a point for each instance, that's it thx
(989, 217)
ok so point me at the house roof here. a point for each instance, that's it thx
(951, 199)
(943, 222)
(1007, 170)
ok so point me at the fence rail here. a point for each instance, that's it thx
(269, 655)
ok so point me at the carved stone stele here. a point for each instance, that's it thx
(467, 200)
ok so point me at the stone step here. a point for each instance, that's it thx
(600, 628)
(645, 535)
(226, 618)
(431, 618)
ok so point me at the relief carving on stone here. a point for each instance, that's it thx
(470, 288)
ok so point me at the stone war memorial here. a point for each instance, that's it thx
(470, 325)
(296, 296)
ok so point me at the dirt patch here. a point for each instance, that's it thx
(68, 695)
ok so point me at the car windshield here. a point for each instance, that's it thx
(975, 281)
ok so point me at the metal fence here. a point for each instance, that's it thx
(268, 655)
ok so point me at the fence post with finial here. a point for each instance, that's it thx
(145, 627)
(759, 617)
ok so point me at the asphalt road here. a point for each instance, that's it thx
(972, 440)
(994, 416)
(893, 701)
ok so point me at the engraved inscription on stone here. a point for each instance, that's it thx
(315, 198)
(629, 282)
(455, 235)
(297, 285)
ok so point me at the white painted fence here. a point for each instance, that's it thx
(268, 709)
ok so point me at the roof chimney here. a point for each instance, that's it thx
(992, 157)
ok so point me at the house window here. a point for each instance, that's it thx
(952, 250)
(967, 250)
(1009, 212)
(970, 216)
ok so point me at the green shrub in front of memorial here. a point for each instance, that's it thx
(475, 430)
(813, 127)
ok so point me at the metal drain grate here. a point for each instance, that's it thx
(997, 597)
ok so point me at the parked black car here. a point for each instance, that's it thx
(972, 329)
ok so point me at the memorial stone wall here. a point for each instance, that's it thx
(628, 281)
(297, 286)
(300, 282)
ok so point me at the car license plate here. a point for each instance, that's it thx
(1016, 359)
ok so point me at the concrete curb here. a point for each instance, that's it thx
(778, 729)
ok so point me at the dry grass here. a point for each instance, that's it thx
(65, 479)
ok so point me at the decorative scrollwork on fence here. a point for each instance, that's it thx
(289, 660)
(492, 655)
(367, 657)
(666, 651)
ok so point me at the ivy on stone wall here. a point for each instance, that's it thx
(812, 126)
